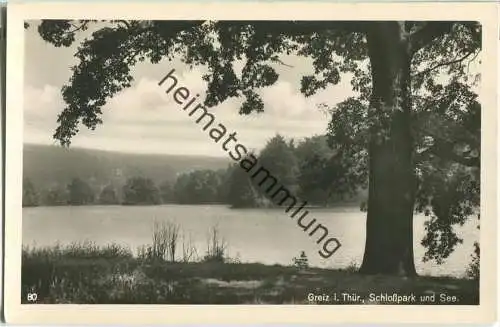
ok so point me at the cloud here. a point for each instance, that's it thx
(144, 118)
(38, 102)
(41, 108)
(283, 101)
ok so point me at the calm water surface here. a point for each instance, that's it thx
(253, 235)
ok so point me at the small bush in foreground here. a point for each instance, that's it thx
(302, 261)
(164, 243)
(216, 247)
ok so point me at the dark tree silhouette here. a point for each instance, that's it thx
(79, 192)
(199, 186)
(166, 192)
(140, 191)
(55, 196)
(242, 192)
(30, 195)
(321, 171)
(108, 195)
(278, 157)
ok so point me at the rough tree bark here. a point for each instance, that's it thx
(389, 236)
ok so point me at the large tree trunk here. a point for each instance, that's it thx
(389, 226)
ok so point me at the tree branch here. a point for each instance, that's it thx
(279, 61)
(77, 28)
(472, 59)
(126, 23)
(445, 63)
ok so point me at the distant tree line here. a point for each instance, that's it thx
(308, 168)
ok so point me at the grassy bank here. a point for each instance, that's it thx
(111, 274)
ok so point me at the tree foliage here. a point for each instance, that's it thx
(242, 192)
(323, 176)
(55, 196)
(279, 158)
(30, 195)
(140, 191)
(108, 195)
(79, 192)
(166, 192)
(199, 186)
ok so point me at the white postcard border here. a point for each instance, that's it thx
(15, 312)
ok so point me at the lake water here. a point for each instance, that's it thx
(253, 235)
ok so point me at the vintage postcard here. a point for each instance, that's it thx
(267, 163)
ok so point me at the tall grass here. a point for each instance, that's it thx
(77, 250)
(189, 252)
(63, 270)
(164, 243)
(216, 246)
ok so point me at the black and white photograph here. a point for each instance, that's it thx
(251, 161)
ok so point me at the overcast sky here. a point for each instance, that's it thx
(143, 119)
